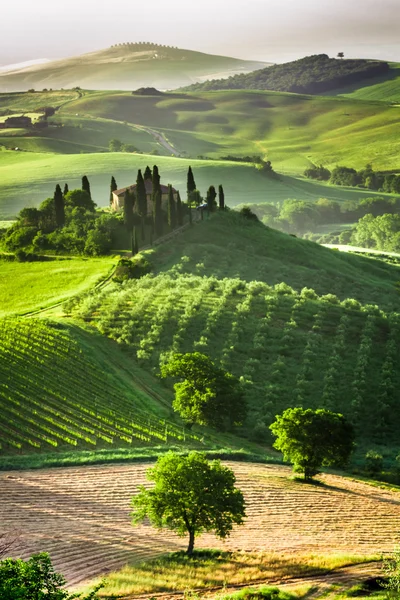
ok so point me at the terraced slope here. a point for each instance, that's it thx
(81, 517)
(126, 67)
(63, 388)
(289, 348)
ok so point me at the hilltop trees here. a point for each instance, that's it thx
(312, 438)
(191, 495)
(147, 174)
(205, 394)
(157, 210)
(221, 197)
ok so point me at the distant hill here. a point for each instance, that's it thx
(126, 67)
(310, 75)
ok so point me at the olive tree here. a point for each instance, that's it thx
(191, 495)
(312, 438)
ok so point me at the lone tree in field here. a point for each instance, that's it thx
(205, 394)
(113, 187)
(59, 207)
(340, 54)
(310, 439)
(86, 185)
(191, 495)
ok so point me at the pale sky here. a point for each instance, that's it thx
(269, 30)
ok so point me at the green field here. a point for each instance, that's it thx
(291, 130)
(26, 287)
(27, 178)
(383, 89)
(64, 388)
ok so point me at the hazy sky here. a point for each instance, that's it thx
(270, 30)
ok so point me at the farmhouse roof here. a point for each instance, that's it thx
(148, 185)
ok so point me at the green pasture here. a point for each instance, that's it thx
(27, 178)
(26, 287)
(383, 89)
(291, 130)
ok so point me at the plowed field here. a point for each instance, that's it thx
(81, 516)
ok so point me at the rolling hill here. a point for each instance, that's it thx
(126, 67)
(298, 323)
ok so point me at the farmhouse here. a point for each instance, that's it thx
(118, 196)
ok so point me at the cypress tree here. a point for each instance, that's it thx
(179, 210)
(171, 208)
(221, 198)
(147, 174)
(86, 185)
(141, 195)
(66, 189)
(210, 198)
(128, 209)
(190, 214)
(113, 187)
(157, 214)
(191, 184)
(134, 242)
(59, 208)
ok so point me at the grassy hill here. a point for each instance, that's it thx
(385, 88)
(310, 75)
(64, 388)
(212, 293)
(127, 67)
(27, 178)
(291, 130)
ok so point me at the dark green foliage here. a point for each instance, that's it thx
(134, 268)
(344, 176)
(59, 207)
(179, 210)
(79, 199)
(113, 187)
(382, 232)
(210, 198)
(195, 198)
(311, 438)
(171, 208)
(309, 75)
(86, 185)
(191, 184)
(206, 394)
(320, 173)
(373, 463)
(35, 579)
(221, 197)
(66, 189)
(247, 213)
(147, 174)
(134, 242)
(191, 496)
(141, 198)
(391, 569)
(128, 209)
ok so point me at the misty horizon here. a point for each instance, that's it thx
(269, 31)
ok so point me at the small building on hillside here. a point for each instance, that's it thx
(118, 196)
(17, 122)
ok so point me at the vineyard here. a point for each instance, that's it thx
(62, 388)
(288, 348)
(81, 517)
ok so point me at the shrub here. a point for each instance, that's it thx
(134, 268)
(373, 463)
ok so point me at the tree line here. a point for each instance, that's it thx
(364, 178)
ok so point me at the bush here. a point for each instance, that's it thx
(134, 268)
(373, 463)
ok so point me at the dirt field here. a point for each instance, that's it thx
(81, 516)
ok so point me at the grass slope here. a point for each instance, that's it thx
(26, 287)
(63, 388)
(289, 348)
(128, 67)
(384, 89)
(291, 130)
(27, 178)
